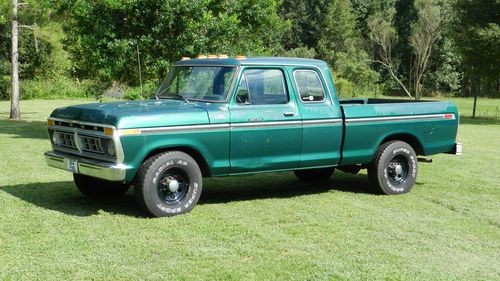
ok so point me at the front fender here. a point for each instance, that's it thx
(212, 146)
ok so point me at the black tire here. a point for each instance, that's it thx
(162, 173)
(320, 174)
(95, 188)
(394, 168)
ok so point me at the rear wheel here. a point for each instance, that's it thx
(168, 184)
(394, 169)
(94, 187)
(320, 174)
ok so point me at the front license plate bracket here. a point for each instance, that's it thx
(71, 165)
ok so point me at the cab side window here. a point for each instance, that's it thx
(309, 85)
(262, 86)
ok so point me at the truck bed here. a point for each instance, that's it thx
(431, 126)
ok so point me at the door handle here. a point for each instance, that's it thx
(288, 114)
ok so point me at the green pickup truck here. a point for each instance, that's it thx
(218, 116)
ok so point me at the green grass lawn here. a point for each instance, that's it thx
(261, 227)
(485, 108)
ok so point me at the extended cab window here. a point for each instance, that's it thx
(309, 85)
(262, 86)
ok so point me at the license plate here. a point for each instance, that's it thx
(71, 165)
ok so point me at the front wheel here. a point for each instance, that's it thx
(394, 169)
(168, 184)
(94, 187)
(320, 174)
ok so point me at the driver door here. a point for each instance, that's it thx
(266, 127)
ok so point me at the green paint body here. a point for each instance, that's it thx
(238, 149)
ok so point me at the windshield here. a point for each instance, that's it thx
(208, 83)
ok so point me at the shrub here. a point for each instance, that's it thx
(344, 88)
(61, 87)
(134, 93)
(4, 87)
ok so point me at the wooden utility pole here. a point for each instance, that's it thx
(15, 113)
(140, 71)
(476, 93)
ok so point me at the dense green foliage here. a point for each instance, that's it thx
(477, 33)
(85, 47)
(103, 36)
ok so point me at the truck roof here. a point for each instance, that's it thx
(233, 61)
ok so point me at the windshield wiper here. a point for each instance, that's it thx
(182, 97)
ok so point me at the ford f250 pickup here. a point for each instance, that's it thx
(221, 116)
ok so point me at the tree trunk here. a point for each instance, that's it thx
(474, 107)
(476, 92)
(15, 113)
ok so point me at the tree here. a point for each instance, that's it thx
(103, 36)
(306, 20)
(477, 33)
(424, 34)
(338, 32)
(404, 18)
(20, 65)
(15, 112)
(383, 35)
(340, 44)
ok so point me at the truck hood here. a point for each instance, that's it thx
(136, 114)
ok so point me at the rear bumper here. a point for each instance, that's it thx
(457, 149)
(93, 168)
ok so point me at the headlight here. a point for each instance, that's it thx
(54, 138)
(111, 148)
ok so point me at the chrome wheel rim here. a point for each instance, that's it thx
(173, 186)
(397, 170)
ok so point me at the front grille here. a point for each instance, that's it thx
(80, 126)
(91, 144)
(84, 140)
(66, 139)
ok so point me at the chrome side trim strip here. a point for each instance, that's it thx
(265, 124)
(399, 118)
(181, 128)
(321, 121)
(233, 125)
(282, 123)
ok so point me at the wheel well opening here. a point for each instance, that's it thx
(409, 139)
(200, 160)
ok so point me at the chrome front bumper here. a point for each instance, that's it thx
(93, 168)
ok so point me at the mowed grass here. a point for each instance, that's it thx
(485, 107)
(261, 227)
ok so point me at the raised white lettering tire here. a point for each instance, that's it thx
(394, 168)
(168, 184)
